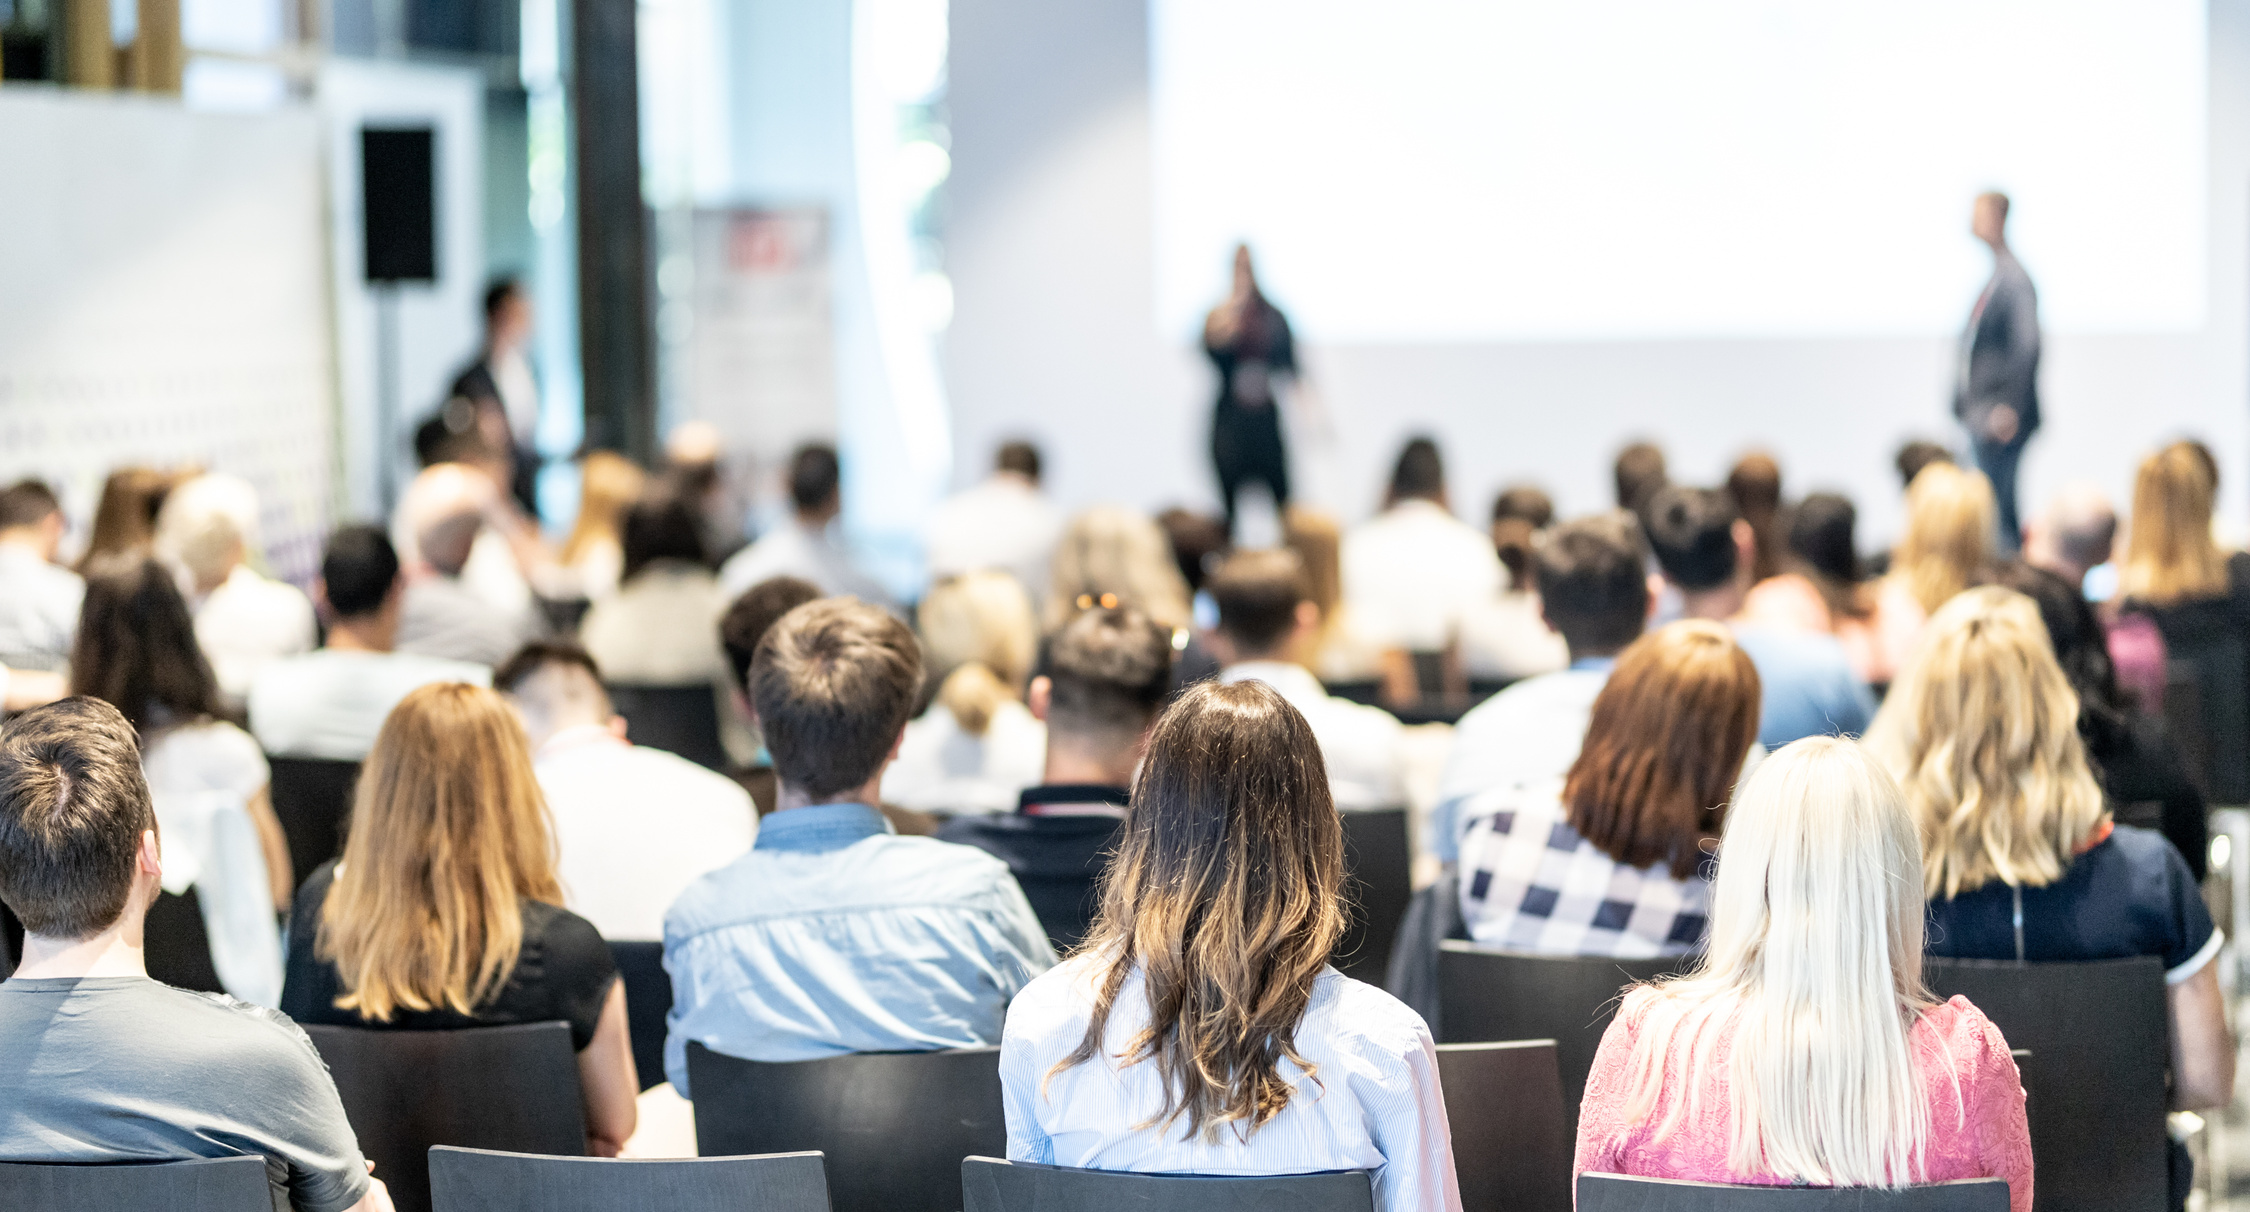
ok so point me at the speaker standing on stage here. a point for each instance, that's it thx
(1247, 339)
(1997, 394)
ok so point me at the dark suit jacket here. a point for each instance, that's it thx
(1999, 361)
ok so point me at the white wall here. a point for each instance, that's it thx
(1051, 259)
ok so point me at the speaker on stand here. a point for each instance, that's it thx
(398, 215)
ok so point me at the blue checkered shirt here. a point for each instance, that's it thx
(1530, 883)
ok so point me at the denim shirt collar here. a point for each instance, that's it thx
(1593, 664)
(819, 827)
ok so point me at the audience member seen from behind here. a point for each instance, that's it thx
(445, 911)
(38, 597)
(977, 746)
(745, 623)
(1593, 592)
(2020, 860)
(1705, 550)
(1111, 556)
(1639, 474)
(1198, 542)
(1100, 684)
(331, 702)
(448, 613)
(834, 935)
(633, 826)
(1005, 522)
(592, 560)
(1342, 652)
(1755, 485)
(1503, 638)
(1202, 1029)
(207, 779)
(1803, 1049)
(1414, 570)
(2174, 574)
(1613, 859)
(125, 516)
(208, 530)
(107, 1065)
(1267, 626)
(807, 545)
(1821, 585)
(2073, 536)
(1947, 547)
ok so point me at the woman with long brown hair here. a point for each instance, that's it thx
(1200, 1028)
(445, 911)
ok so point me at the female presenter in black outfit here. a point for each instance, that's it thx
(1247, 339)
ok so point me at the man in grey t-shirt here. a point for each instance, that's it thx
(105, 1064)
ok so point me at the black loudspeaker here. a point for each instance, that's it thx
(398, 202)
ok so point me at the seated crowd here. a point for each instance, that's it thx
(1042, 810)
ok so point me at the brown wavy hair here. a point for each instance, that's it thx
(1227, 895)
(449, 835)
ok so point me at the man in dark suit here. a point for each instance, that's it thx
(1996, 395)
(500, 387)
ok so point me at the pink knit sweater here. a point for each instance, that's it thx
(1978, 1134)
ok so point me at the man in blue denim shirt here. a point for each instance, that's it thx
(834, 934)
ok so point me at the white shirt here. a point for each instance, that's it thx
(941, 767)
(1504, 637)
(1527, 733)
(635, 826)
(791, 550)
(201, 778)
(659, 629)
(330, 703)
(446, 617)
(1002, 523)
(1413, 570)
(1376, 1105)
(38, 609)
(1359, 743)
(519, 395)
(249, 621)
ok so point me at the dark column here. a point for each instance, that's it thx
(615, 333)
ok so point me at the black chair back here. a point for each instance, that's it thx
(481, 1180)
(648, 998)
(2205, 648)
(894, 1126)
(1378, 873)
(513, 1088)
(1500, 995)
(991, 1185)
(313, 799)
(216, 1184)
(176, 944)
(1512, 1146)
(1618, 1193)
(2095, 1084)
(683, 720)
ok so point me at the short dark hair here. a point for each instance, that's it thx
(1257, 593)
(1020, 457)
(497, 294)
(541, 654)
(661, 525)
(1524, 503)
(1419, 472)
(357, 570)
(73, 806)
(1592, 584)
(136, 647)
(1691, 530)
(754, 614)
(1916, 455)
(27, 503)
(1821, 533)
(834, 683)
(1639, 474)
(1109, 671)
(1196, 541)
(815, 476)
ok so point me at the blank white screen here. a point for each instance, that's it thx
(1496, 170)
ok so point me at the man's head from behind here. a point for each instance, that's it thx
(753, 614)
(1101, 682)
(74, 810)
(1916, 455)
(1265, 603)
(359, 575)
(1694, 533)
(1639, 474)
(1591, 583)
(833, 684)
(2077, 532)
(443, 510)
(1018, 458)
(29, 513)
(816, 482)
(1419, 474)
(555, 685)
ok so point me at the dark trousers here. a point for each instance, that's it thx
(1998, 460)
(1246, 449)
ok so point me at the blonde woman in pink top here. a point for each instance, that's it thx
(1804, 1050)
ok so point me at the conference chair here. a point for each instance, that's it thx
(1378, 872)
(513, 1088)
(177, 946)
(1618, 1193)
(648, 998)
(2095, 1086)
(483, 1180)
(313, 799)
(991, 1185)
(1512, 1144)
(2205, 649)
(214, 1184)
(893, 1126)
(1501, 995)
(682, 720)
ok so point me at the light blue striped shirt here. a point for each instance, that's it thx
(1375, 1103)
(835, 935)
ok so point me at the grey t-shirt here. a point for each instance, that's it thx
(116, 1068)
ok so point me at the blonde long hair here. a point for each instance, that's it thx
(608, 485)
(448, 835)
(1814, 967)
(1951, 520)
(2169, 553)
(1114, 551)
(979, 633)
(1981, 730)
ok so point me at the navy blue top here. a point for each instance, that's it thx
(2130, 895)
